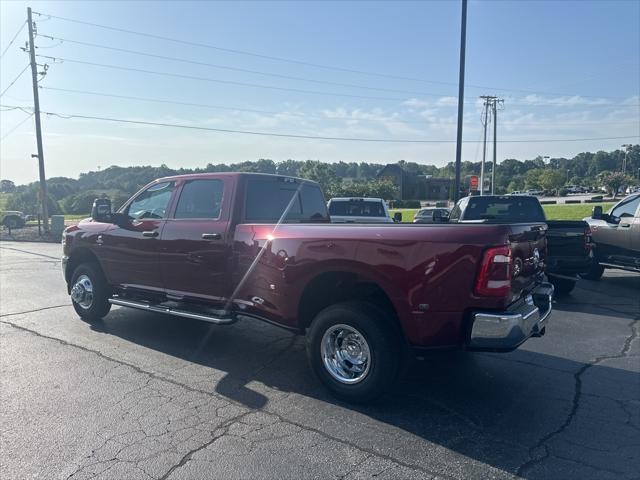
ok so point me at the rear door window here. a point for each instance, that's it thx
(504, 209)
(200, 199)
(268, 199)
(356, 208)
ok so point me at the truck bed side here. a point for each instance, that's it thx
(425, 273)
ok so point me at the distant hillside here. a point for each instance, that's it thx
(75, 196)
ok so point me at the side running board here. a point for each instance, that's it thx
(220, 317)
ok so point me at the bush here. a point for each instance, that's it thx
(27, 203)
(563, 192)
(406, 204)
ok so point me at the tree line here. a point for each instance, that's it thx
(75, 196)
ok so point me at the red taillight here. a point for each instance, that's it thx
(588, 239)
(494, 277)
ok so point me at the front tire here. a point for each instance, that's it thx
(355, 351)
(562, 286)
(594, 273)
(89, 292)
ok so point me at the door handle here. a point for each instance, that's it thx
(211, 236)
(151, 233)
(625, 225)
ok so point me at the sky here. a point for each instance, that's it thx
(358, 70)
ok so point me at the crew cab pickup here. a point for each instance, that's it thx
(617, 237)
(569, 245)
(234, 246)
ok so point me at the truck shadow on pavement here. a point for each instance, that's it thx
(531, 414)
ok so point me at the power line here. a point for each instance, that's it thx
(15, 79)
(309, 137)
(216, 80)
(273, 87)
(298, 114)
(267, 74)
(237, 69)
(233, 109)
(293, 61)
(17, 126)
(27, 110)
(241, 52)
(13, 39)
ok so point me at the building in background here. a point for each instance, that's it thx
(412, 186)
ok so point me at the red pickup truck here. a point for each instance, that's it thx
(227, 246)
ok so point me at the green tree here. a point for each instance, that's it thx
(613, 181)
(516, 185)
(321, 173)
(551, 180)
(28, 203)
(378, 188)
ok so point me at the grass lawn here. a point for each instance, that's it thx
(76, 217)
(572, 212)
(553, 212)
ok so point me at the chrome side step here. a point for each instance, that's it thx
(224, 318)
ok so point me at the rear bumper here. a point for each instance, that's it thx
(569, 265)
(505, 331)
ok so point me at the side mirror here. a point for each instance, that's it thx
(101, 210)
(596, 214)
(397, 217)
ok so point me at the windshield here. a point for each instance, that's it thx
(357, 208)
(425, 213)
(504, 209)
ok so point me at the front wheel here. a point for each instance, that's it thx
(89, 292)
(354, 350)
(562, 286)
(594, 273)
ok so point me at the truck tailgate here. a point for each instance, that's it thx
(528, 243)
(565, 238)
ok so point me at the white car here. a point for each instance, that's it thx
(358, 210)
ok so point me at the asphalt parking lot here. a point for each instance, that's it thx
(148, 396)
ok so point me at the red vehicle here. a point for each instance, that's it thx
(222, 247)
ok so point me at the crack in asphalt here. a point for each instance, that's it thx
(536, 458)
(223, 429)
(32, 311)
(160, 378)
(31, 253)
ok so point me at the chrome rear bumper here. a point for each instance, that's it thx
(505, 331)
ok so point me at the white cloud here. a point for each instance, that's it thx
(416, 103)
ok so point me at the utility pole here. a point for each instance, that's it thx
(495, 143)
(463, 43)
(487, 102)
(36, 112)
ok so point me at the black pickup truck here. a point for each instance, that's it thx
(569, 245)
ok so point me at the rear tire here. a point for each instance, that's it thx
(355, 350)
(90, 292)
(562, 286)
(594, 273)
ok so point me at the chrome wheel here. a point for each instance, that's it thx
(82, 292)
(345, 354)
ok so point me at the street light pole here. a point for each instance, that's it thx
(463, 43)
